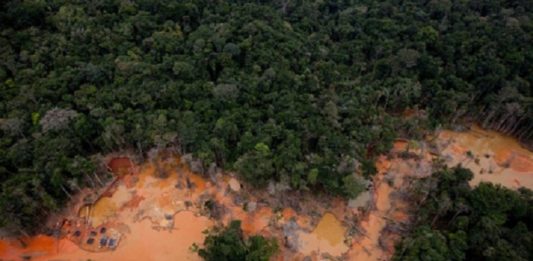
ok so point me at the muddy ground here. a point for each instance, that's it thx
(158, 209)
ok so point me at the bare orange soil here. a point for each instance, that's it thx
(157, 210)
(377, 240)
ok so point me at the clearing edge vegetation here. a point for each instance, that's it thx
(158, 210)
(298, 98)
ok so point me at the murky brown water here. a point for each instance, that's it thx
(155, 218)
(327, 237)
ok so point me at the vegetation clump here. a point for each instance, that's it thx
(457, 222)
(228, 244)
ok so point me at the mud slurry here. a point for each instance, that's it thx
(380, 228)
(491, 156)
(141, 217)
(157, 210)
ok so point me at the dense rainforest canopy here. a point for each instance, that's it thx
(306, 92)
(457, 222)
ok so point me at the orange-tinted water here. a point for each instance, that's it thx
(155, 218)
(39, 247)
(143, 242)
(491, 156)
(121, 166)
